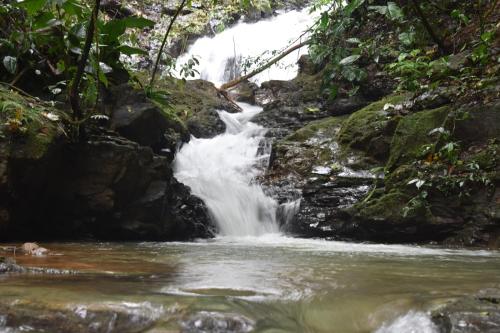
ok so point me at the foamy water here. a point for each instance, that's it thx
(216, 54)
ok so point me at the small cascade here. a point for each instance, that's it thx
(222, 170)
(221, 57)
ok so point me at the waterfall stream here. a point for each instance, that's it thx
(222, 170)
(222, 56)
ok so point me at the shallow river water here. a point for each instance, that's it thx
(266, 284)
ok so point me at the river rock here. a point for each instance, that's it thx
(196, 102)
(138, 119)
(106, 188)
(8, 265)
(41, 317)
(472, 314)
(216, 322)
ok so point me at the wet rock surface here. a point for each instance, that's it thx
(217, 323)
(331, 153)
(307, 163)
(473, 314)
(197, 102)
(39, 317)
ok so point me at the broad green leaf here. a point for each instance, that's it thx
(10, 63)
(352, 6)
(32, 6)
(353, 74)
(129, 50)
(395, 13)
(349, 60)
(103, 79)
(382, 10)
(72, 7)
(115, 28)
(407, 38)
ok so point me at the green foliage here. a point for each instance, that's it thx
(330, 48)
(412, 68)
(45, 38)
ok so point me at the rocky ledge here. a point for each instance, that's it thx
(118, 184)
(354, 162)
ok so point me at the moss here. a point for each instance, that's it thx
(328, 127)
(24, 122)
(313, 145)
(370, 128)
(400, 177)
(487, 159)
(388, 206)
(412, 132)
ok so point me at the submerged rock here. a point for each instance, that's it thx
(8, 265)
(216, 322)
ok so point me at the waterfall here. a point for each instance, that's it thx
(222, 170)
(221, 56)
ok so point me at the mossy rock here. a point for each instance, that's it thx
(387, 207)
(412, 132)
(400, 177)
(487, 158)
(482, 123)
(29, 126)
(195, 103)
(327, 127)
(310, 146)
(370, 129)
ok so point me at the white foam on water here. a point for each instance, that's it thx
(217, 53)
(221, 171)
(412, 322)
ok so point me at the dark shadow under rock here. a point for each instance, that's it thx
(106, 188)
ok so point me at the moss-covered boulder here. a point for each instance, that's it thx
(29, 133)
(140, 119)
(312, 146)
(370, 129)
(105, 186)
(412, 133)
(29, 125)
(196, 103)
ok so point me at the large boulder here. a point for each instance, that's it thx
(197, 102)
(460, 204)
(139, 119)
(370, 129)
(106, 188)
(30, 133)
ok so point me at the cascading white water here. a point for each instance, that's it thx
(221, 170)
(217, 54)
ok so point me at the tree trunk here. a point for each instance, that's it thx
(74, 97)
(428, 27)
(160, 51)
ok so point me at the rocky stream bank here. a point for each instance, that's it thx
(118, 183)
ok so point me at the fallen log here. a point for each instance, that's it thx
(262, 68)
